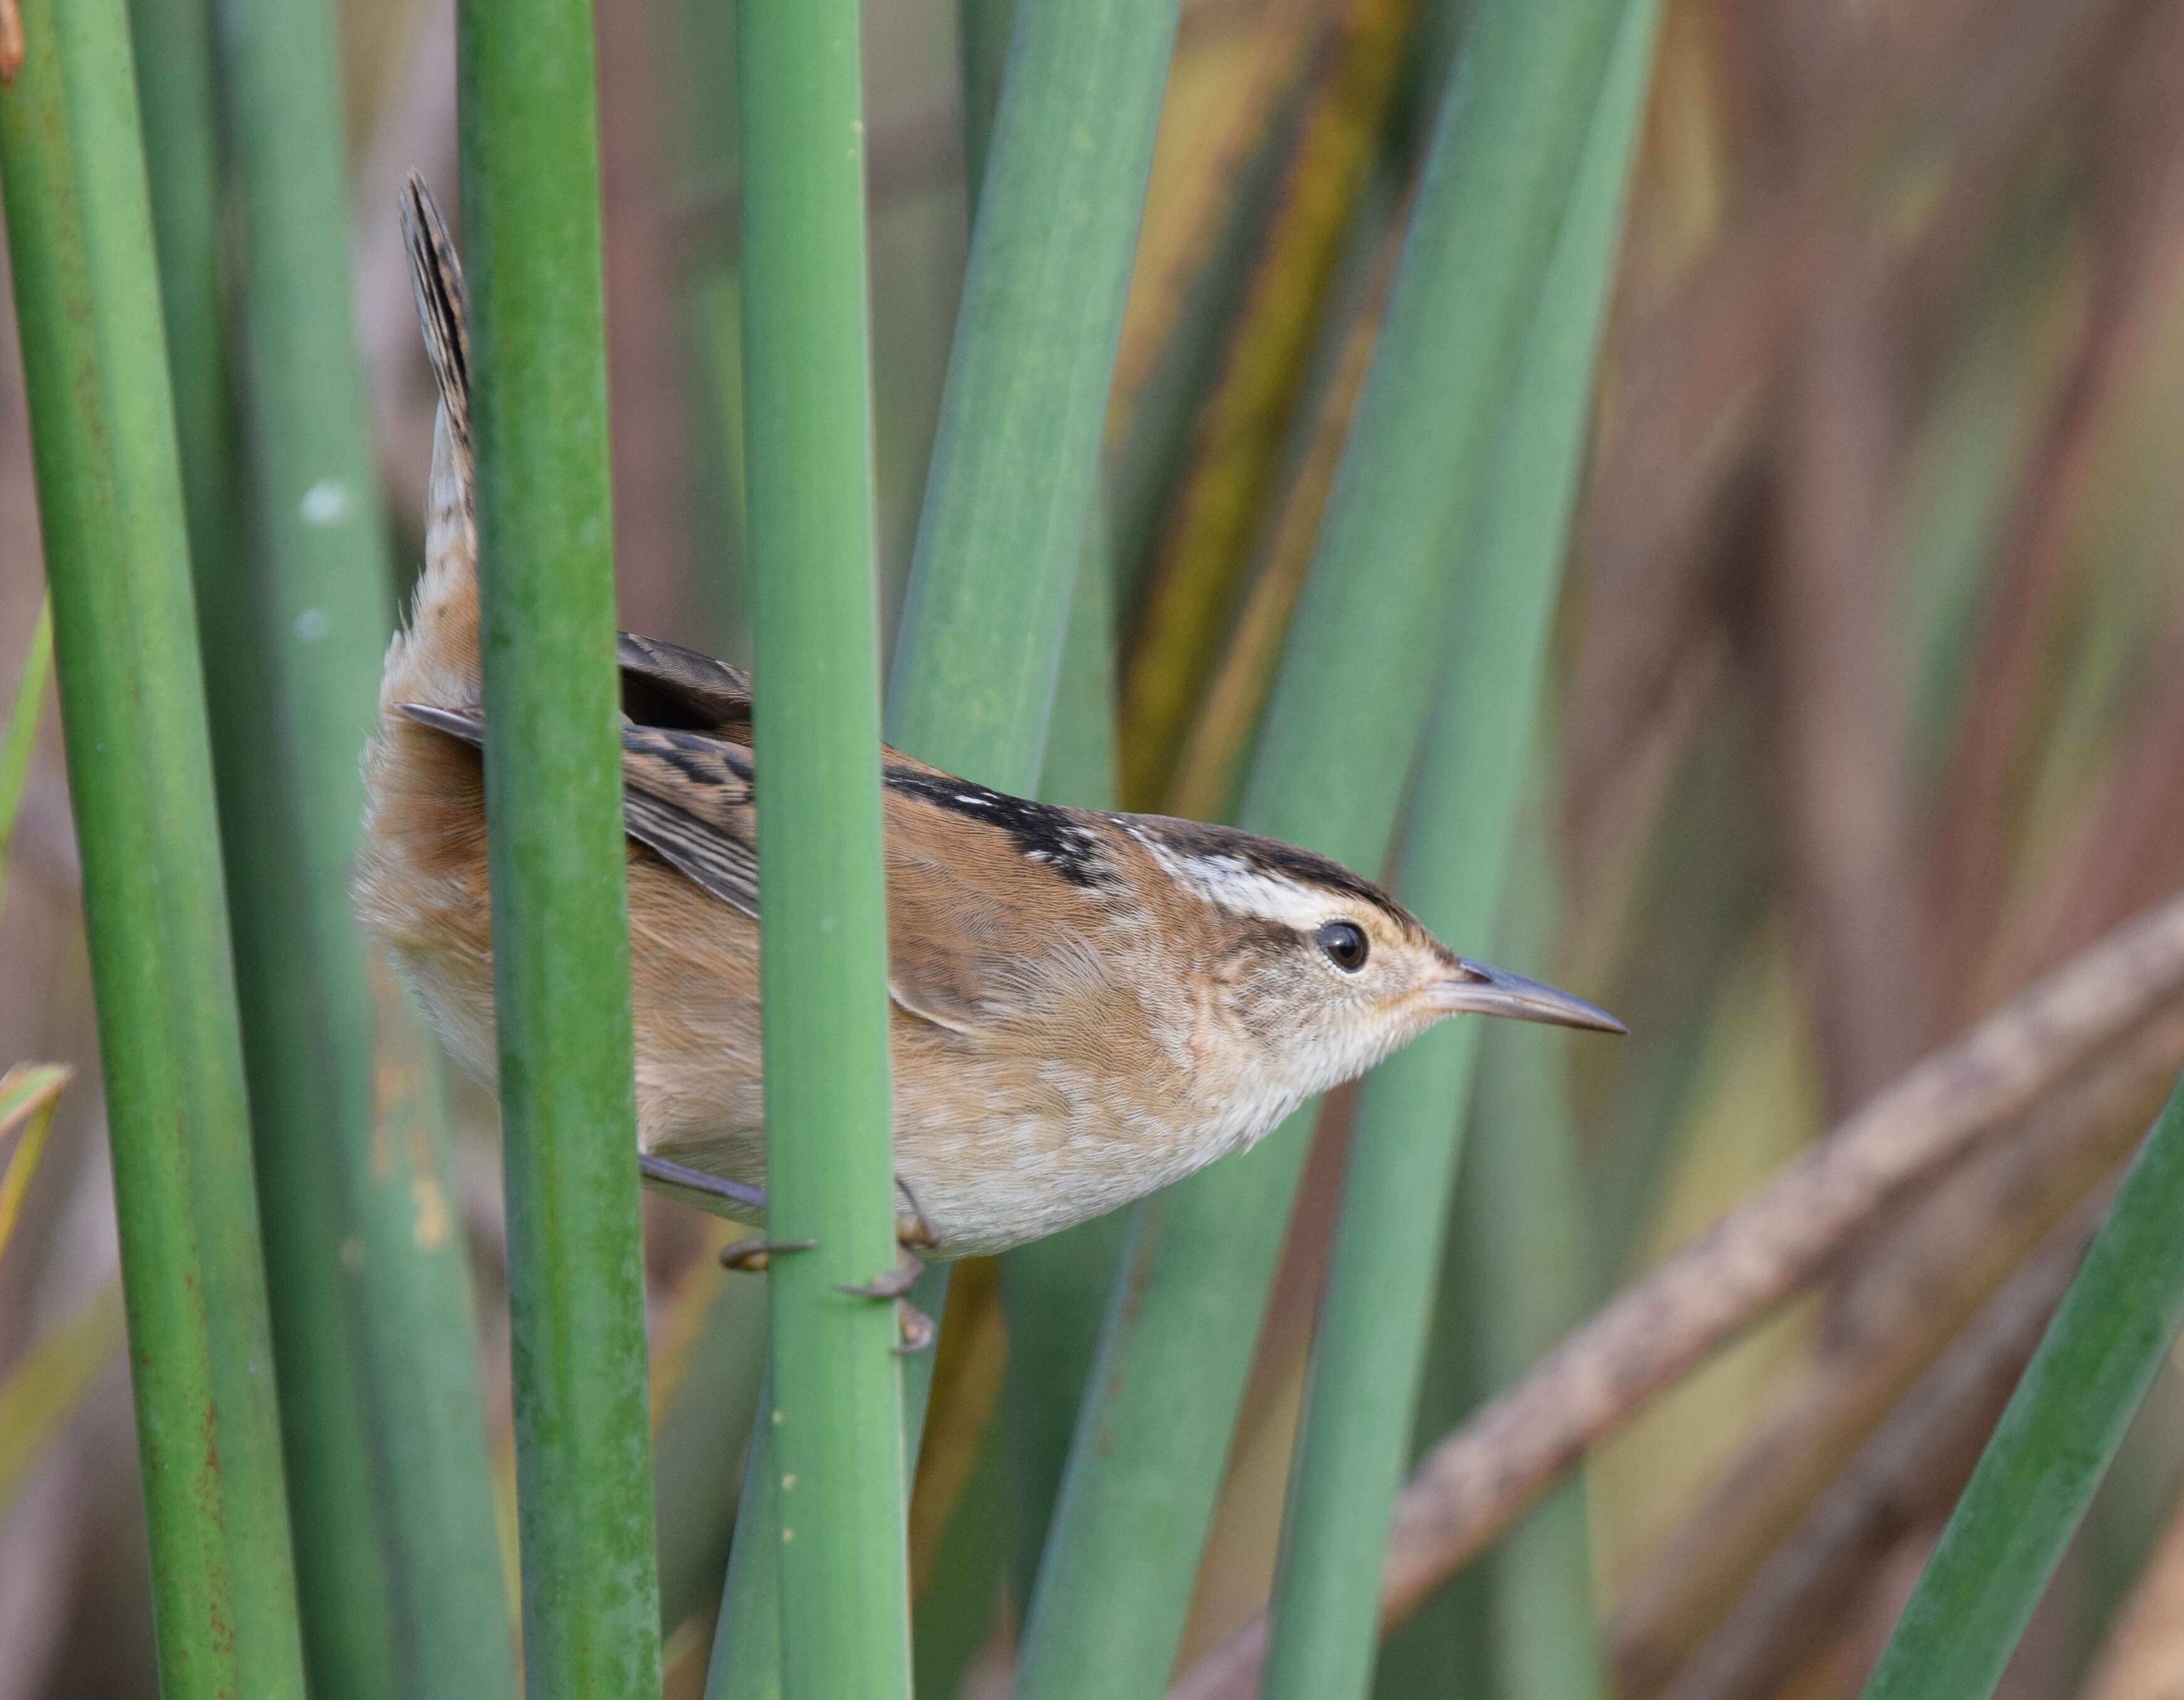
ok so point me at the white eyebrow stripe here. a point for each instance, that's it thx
(1232, 884)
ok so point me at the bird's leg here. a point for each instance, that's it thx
(917, 1328)
(751, 1256)
(913, 1232)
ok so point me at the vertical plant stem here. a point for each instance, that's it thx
(746, 1661)
(1053, 1291)
(140, 778)
(1013, 472)
(955, 1612)
(19, 732)
(1403, 1154)
(1521, 1213)
(702, 1432)
(342, 1581)
(2053, 1443)
(836, 1415)
(1015, 461)
(369, 1093)
(1200, 562)
(1116, 1581)
(530, 204)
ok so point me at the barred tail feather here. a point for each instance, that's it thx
(435, 658)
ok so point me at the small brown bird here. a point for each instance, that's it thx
(1086, 1006)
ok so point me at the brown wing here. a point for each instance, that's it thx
(664, 686)
(991, 898)
(994, 902)
(689, 799)
(685, 797)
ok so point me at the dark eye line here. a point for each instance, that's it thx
(1344, 943)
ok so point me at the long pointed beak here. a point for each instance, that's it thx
(1476, 989)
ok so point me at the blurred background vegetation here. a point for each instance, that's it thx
(1868, 708)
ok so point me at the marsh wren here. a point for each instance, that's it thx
(1085, 1006)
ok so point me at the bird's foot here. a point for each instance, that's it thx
(896, 1283)
(913, 1230)
(917, 1329)
(754, 1257)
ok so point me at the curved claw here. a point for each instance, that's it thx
(920, 1233)
(751, 1257)
(895, 1284)
(918, 1330)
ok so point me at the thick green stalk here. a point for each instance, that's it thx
(1515, 1276)
(362, 1076)
(1055, 1290)
(1329, 772)
(1015, 474)
(1372, 1338)
(700, 1444)
(342, 1583)
(1012, 482)
(1520, 1212)
(530, 208)
(836, 1411)
(956, 1608)
(1446, 1646)
(746, 1661)
(1016, 457)
(140, 778)
(2053, 1443)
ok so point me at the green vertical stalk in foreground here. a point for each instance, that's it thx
(1013, 472)
(1371, 1343)
(836, 1410)
(341, 1580)
(140, 778)
(360, 1079)
(2053, 1443)
(531, 207)
(1341, 729)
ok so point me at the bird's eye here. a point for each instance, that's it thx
(1344, 942)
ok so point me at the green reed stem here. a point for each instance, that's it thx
(1017, 459)
(1520, 1215)
(1116, 1582)
(2054, 1443)
(362, 1079)
(342, 1581)
(140, 776)
(1009, 489)
(1054, 1291)
(836, 1410)
(18, 733)
(1371, 1344)
(531, 206)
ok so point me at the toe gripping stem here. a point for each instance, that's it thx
(914, 1233)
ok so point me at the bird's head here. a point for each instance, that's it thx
(1319, 973)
